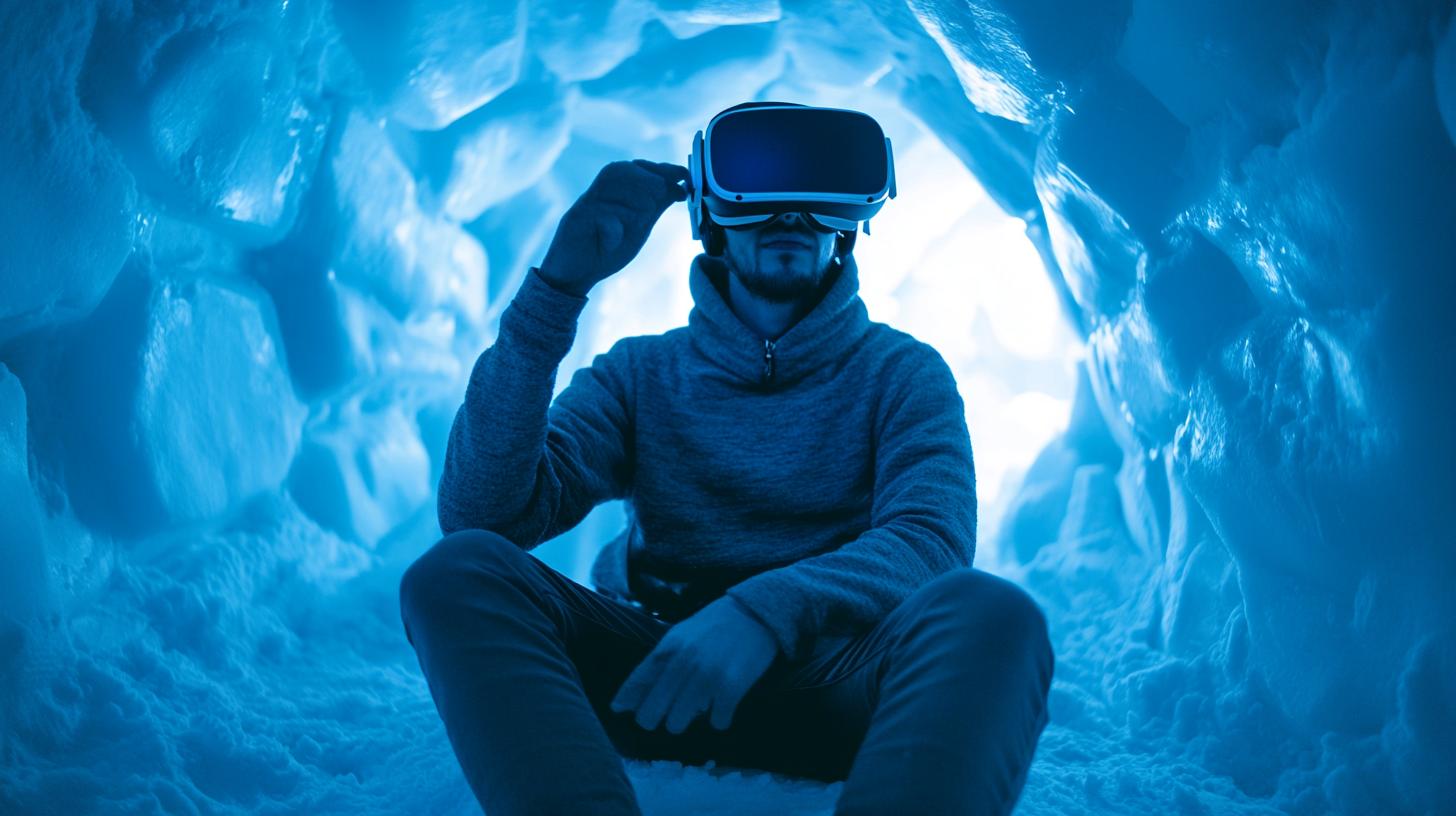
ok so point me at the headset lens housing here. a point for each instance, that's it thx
(833, 165)
(822, 223)
(803, 150)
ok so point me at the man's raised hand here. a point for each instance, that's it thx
(606, 228)
(707, 662)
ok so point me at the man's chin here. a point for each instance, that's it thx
(778, 289)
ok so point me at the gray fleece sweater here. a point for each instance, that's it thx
(817, 479)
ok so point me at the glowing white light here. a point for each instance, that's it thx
(948, 266)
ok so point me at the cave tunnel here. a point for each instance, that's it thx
(1190, 264)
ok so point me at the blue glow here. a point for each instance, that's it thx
(1188, 264)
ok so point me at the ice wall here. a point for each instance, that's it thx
(1246, 206)
(248, 253)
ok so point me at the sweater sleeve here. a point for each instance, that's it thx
(517, 463)
(922, 521)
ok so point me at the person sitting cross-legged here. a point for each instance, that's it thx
(794, 589)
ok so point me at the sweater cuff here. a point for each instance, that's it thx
(542, 315)
(776, 605)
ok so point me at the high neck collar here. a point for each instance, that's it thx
(823, 335)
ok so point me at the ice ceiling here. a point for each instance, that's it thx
(250, 250)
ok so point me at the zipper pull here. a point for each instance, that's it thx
(768, 361)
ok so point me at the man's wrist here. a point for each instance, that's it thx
(744, 612)
(556, 283)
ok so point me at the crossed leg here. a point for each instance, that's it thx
(936, 710)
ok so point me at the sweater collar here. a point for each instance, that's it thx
(822, 336)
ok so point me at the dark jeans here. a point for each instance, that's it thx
(936, 710)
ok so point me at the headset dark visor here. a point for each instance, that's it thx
(784, 150)
(835, 166)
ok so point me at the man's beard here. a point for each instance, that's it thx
(781, 285)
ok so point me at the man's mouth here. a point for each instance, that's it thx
(785, 242)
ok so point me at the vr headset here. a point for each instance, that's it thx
(761, 159)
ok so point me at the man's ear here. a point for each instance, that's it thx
(845, 244)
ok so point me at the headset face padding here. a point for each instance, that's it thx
(715, 241)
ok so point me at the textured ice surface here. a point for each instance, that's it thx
(170, 404)
(249, 253)
(501, 149)
(70, 207)
(429, 62)
(409, 260)
(22, 529)
(220, 120)
(364, 473)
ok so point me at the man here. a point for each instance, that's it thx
(794, 591)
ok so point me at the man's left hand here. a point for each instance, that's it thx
(709, 660)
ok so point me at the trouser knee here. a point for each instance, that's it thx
(443, 573)
(990, 613)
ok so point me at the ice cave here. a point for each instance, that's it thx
(1185, 261)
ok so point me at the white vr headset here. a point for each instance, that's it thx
(761, 159)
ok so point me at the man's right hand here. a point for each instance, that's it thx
(605, 229)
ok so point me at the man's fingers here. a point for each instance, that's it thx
(692, 699)
(669, 176)
(644, 193)
(673, 173)
(639, 179)
(624, 182)
(725, 703)
(642, 189)
(670, 681)
(635, 688)
(630, 199)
